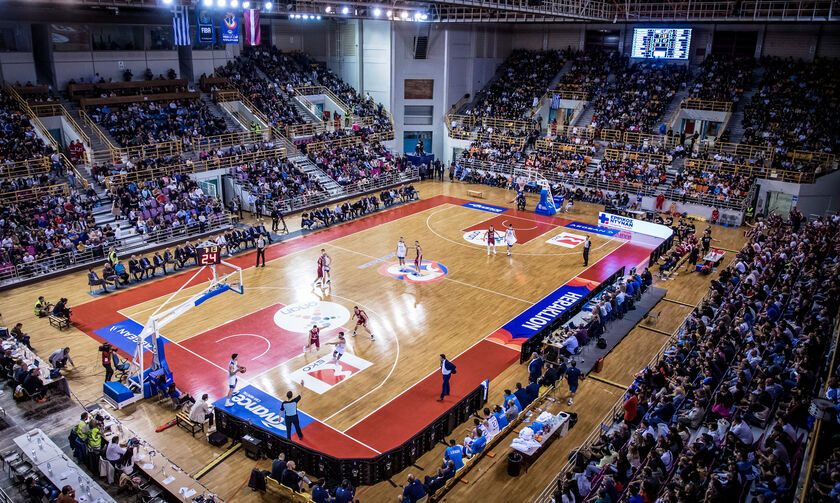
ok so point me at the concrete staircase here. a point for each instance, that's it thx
(584, 119)
(674, 106)
(304, 164)
(736, 121)
(96, 146)
(231, 125)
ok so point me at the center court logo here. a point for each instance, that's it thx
(431, 271)
(300, 317)
(479, 237)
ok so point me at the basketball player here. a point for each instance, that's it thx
(401, 253)
(491, 240)
(314, 338)
(233, 369)
(361, 321)
(418, 259)
(323, 278)
(340, 346)
(510, 238)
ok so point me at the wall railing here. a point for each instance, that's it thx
(33, 193)
(699, 104)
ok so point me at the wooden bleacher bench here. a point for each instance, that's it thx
(475, 193)
(275, 488)
(59, 322)
(185, 422)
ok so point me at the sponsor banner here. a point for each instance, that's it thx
(124, 336)
(430, 271)
(206, 26)
(633, 225)
(538, 316)
(322, 375)
(567, 240)
(230, 28)
(484, 207)
(380, 259)
(479, 237)
(525, 229)
(592, 229)
(300, 316)
(261, 409)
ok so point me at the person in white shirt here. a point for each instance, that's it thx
(60, 357)
(743, 431)
(202, 412)
(569, 345)
(114, 452)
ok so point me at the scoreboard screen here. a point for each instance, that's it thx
(661, 43)
(208, 255)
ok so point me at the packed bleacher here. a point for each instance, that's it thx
(795, 108)
(638, 96)
(19, 141)
(724, 412)
(276, 179)
(722, 79)
(145, 123)
(355, 164)
(243, 75)
(518, 84)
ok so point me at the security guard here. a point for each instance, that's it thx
(81, 430)
(42, 307)
(94, 439)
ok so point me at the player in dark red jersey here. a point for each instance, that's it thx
(418, 259)
(314, 339)
(323, 278)
(361, 321)
(491, 240)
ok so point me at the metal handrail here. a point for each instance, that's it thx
(555, 146)
(26, 168)
(749, 170)
(701, 104)
(32, 193)
(612, 154)
(101, 136)
(346, 141)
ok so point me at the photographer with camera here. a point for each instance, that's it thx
(107, 351)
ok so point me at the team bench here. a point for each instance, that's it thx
(59, 322)
(184, 422)
(476, 194)
(272, 487)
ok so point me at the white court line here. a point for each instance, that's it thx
(477, 247)
(445, 277)
(250, 335)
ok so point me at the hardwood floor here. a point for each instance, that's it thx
(481, 293)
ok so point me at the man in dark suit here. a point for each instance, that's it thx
(180, 258)
(447, 368)
(278, 466)
(160, 263)
(189, 252)
(261, 230)
(134, 268)
(147, 267)
(521, 395)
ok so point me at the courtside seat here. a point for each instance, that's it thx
(59, 322)
(184, 422)
(276, 489)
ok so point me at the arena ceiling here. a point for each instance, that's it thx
(538, 11)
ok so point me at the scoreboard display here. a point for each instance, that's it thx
(208, 255)
(661, 43)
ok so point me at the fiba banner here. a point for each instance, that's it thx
(252, 26)
(206, 27)
(633, 225)
(544, 312)
(230, 28)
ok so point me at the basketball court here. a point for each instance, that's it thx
(466, 304)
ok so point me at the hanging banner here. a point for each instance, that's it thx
(206, 27)
(252, 26)
(230, 28)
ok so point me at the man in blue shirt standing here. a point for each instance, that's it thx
(413, 491)
(455, 454)
(535, 368)
(572, 375)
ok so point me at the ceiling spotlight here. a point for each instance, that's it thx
(389, 13)
(221, 3)
(208, 3)
(345, 10)
(167, 2)
(328, 9)
(246, 4)
(424, 17)
(377, 12)
(404, 15)
(318, 17)
(234, 3)
(268, 5)
(306, 16)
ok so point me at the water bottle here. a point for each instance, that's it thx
(40, 442)
(49, 467)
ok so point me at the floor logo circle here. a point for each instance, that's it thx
(430, 271)
(300, 317)
(479, 237)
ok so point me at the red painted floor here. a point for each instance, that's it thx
(526, 230)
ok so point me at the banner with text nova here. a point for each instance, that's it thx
(538, 316)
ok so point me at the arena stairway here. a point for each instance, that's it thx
(96, 146)
(231, 125)
(674, 105)
(736, 121)
(307, 166)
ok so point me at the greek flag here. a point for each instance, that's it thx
(181, 24)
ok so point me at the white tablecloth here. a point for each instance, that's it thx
(38, 452)
(561, 427)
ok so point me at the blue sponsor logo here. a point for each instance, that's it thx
(125, 334)
(259, 408)
(603, 231)
(604, 219)
(485, 207)
(545, 311)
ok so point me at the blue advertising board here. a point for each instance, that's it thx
(484, 207)
(260, 409)
(538, 316)
(593, 229)
(124, 336)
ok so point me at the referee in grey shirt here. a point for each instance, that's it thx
(586, 245)
(290, 414)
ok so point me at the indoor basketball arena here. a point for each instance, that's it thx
(466, 251)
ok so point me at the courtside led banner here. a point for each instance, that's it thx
(260, 409)
(633, 225)
(538, 316)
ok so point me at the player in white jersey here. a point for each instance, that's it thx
(490, 235)
(324, 262)
(340, 347)
(401, 253)
(233, 369)
(510, 238)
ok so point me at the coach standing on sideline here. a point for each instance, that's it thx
(447, 368)
(260, 250)
(586, 246)
(290, 414)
